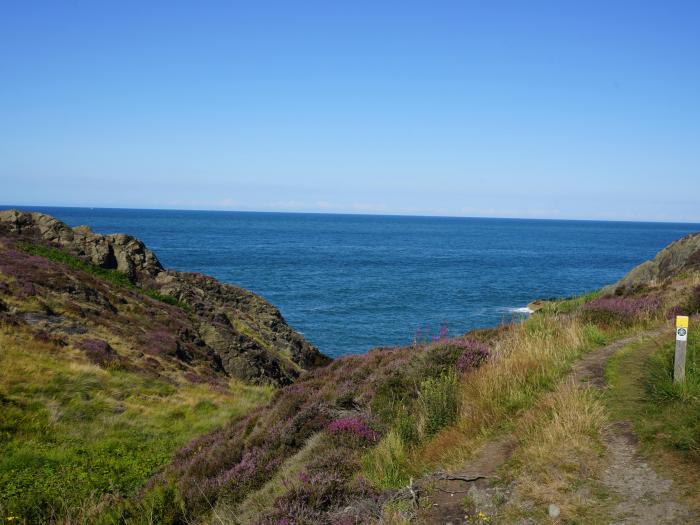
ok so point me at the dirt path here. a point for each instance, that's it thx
(643, 497)
(474, 481)
(590, 369)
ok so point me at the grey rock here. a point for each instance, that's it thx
(677, 256)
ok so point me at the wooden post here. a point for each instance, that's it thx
(681, 342)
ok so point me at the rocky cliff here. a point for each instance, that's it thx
(681, 255)
(111, 292)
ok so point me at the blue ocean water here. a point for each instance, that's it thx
(352, 282)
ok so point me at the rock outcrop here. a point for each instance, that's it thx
(238, 332)
(118, 251)
(683, 254)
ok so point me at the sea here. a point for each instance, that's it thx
(350, 283)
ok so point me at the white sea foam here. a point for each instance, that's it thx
(522, 310)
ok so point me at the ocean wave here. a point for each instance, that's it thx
(521, 310)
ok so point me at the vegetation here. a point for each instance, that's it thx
(559, 457)
(526, 362)
(665, 414)
(106, 274)
(57, 255)
(169, 442)
(77, 439)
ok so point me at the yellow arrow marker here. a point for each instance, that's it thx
(682, 321)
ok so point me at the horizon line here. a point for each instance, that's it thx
(24, 207)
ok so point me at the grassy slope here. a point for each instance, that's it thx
(76, 437)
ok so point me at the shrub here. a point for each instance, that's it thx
(473, 355)
(323, 486)
(689, 305)
(352, 430)
(609, 310)
(98, 352)
(308, 499)
(438, 403)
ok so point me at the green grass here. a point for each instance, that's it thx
(664, 414)
(106, 274)
(438, 402)
(54, 254)
(567, 305)
(74, 436)
(388, 464)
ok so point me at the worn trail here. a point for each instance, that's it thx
(643, 497)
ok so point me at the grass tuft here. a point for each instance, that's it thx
(387, 465)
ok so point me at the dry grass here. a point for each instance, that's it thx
(397, 513)
(527, 361)
(559, 456)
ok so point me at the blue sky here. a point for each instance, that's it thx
(520, 109)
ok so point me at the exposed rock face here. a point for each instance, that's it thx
(237, 332)
(117, 251)
(676, 257)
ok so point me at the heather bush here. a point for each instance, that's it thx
(158, 341)
(98, 352)
(324, 486)
(439, 358)
(473, 355)
(352, 431)
(26, 290)
(395, 391)
(614, 310)
(675, 310)
(308, 499)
